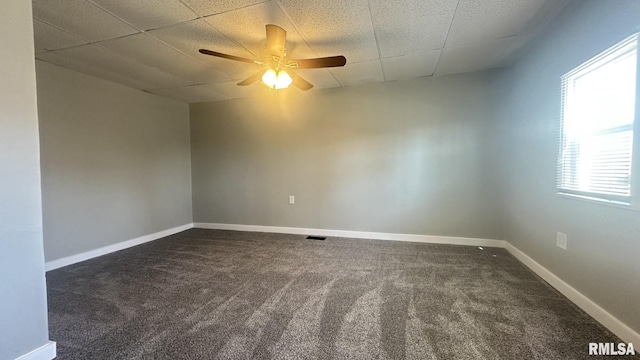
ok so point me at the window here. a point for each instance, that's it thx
(598, 113)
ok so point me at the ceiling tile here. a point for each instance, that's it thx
(320, 78)
(208, 7)
(190, 36)
(109, 62)
(232, 90)
(190, 94)
(359, 73)
(85, 68)
(81, 18)
(335, 27)
(152, 52)
(471, 58)
(417, 25)
(410, 66)
(478, 20)
(148, 14)
(247, 27)
(153, 44)
(47, 37)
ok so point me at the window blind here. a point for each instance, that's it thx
(598, 111)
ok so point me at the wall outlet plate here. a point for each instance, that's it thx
(561, 240)
(292, 199)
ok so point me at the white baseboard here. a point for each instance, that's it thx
(609, 321)
(44, 352)
(356, 234)
(616, 326)
(58, 263)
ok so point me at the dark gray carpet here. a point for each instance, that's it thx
(205, 294)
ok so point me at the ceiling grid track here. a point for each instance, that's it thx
(198, 17)
(445, 39)
(375, 35)
(295, 27)
(222, 33)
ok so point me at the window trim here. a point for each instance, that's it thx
(631, 202)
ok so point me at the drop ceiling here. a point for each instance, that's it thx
(152, 45)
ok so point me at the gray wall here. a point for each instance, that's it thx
(23, 306)
(115, 162)
(399, 157)
(602, 259)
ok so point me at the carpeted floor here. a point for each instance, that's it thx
(205, 294)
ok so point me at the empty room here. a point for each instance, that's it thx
(282, 179)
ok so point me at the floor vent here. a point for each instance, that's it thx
(316, 238)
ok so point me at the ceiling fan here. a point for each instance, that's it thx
(279, 73)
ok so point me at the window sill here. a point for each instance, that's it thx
(598, 201)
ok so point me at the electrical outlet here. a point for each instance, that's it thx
(561, 240)
(292, 199)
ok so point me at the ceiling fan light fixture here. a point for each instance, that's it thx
(276, 58)
(276, 80)
(283, 80)
(269, 78)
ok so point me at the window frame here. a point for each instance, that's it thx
(627, 202)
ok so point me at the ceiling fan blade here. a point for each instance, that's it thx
(299, 82)
(331, 61)
(230, 57)
(276, 38)
(251, 79)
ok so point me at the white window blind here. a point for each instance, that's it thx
(598, 111)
